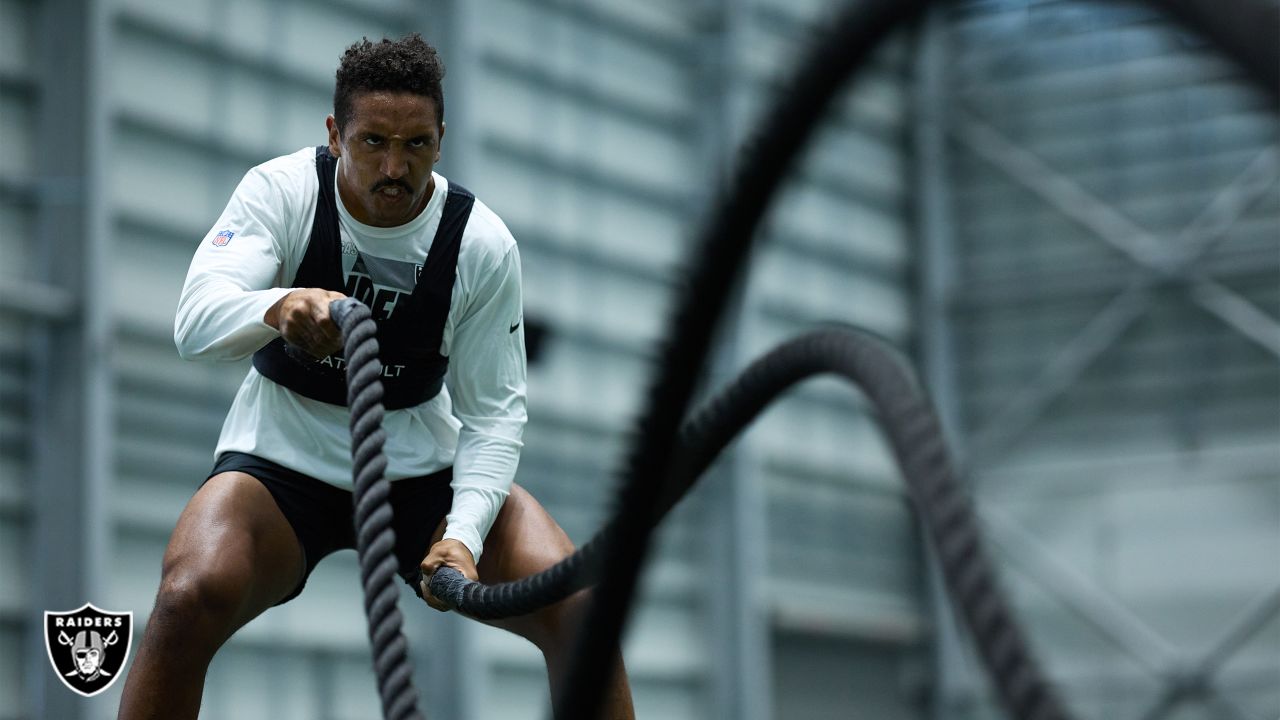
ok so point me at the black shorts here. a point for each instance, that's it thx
(323, 518)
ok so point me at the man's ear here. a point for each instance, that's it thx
(439, 142)
(335, 137)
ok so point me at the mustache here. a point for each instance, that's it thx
(391, 183)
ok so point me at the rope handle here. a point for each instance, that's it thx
(450, 586)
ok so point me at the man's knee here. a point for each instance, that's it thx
(554, 626)
(196, 600)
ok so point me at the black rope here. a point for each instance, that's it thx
(943, 505)
(720, 254)
(1243, 30)
(654, 467)
(375, 539)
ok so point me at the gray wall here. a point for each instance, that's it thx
(1122, 429)
(978, 197)
(836, 247)
(597, 130)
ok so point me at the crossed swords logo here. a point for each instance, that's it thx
(88, 647)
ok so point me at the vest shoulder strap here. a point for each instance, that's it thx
(409, 341)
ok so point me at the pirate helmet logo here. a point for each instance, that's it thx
(88, 647)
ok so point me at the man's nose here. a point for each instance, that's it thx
(395, 164)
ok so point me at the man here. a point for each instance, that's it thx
(364, 216)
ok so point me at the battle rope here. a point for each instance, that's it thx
(375, 539)
(654, 467)
(719, 256)
(912, 427)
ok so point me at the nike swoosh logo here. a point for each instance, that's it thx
(514, 327)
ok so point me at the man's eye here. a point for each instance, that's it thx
(373, 141)
(417, 142)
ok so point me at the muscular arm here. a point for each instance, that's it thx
(487, 383)
(230, 286)
(302, 318)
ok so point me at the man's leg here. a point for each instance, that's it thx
(525, 540)
(231, 556)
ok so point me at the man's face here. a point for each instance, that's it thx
(388, 149)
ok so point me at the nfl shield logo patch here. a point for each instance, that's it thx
(222, 238)
(88, 647)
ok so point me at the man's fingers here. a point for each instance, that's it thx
(322, 306)
(432, 600)
(318, 345)
(329, 332)
(326, 343)
(304, 322)
(332, 336)
(320, 319)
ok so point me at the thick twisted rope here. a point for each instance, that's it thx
(1241, 28)
(375, 539)
(721, 252)
(940, 500)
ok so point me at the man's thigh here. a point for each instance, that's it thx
(233, 540)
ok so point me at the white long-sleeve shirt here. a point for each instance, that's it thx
(475, 423)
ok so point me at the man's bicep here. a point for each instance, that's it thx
(230, 282)
(487, 358)
(496, 303)
(248, 244)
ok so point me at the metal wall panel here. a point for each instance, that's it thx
(1120, 420)
(822, 677)
(19, 100)
(580, 119)
(837, 248)
(585, 126)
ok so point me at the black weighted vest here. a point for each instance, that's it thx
(408, 341)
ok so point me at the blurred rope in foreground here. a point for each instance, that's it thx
(660, 464)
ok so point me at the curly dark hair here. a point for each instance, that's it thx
(409, 64)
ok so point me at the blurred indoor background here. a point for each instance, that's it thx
(1065, 212)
